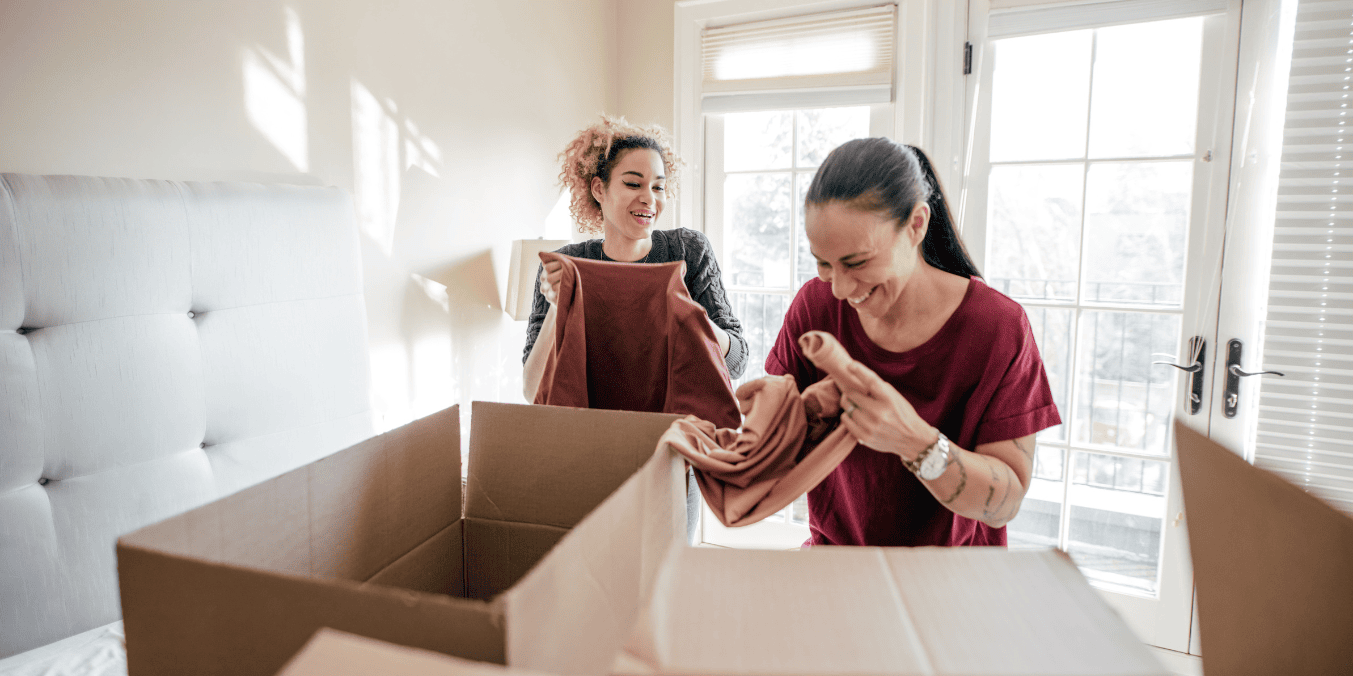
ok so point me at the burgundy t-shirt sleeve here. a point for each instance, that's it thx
(1022, 403)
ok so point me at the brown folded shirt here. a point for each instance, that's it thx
(629, 337)
(789, 442)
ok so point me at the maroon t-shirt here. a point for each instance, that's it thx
(979, 379)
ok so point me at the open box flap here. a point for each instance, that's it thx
(573, 611)
(1273, 566)
(337, 653)
(345, 516)
(868, 610)
(551, 465)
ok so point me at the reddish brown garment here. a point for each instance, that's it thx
(780, 452)
(629, 337)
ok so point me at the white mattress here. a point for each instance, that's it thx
(97, 652)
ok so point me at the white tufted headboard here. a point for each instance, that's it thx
(162, 344)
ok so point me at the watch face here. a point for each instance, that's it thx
(933, 465)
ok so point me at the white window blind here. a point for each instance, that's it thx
(1305, 424)
(1009, 22)
(846, 56)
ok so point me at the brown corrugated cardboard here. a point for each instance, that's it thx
(867, 610)
(1273, 566)
(372, 540)
(336, 653)
(363, 542)
(828, 610)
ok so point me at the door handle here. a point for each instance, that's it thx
(1198, 349)
(1231, 402)
(1234, 368)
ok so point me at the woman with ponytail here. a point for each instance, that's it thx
(954, 388)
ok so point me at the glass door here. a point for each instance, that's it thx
(1096, 199)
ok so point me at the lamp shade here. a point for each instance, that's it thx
(522, 273)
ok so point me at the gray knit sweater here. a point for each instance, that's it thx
(703, 281)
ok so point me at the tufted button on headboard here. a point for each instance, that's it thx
(162, 344)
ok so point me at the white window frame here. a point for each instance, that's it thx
(929, 94)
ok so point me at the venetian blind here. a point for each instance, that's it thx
(1009, 22)
(835, 54)
(1305, 425)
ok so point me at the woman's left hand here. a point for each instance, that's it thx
(881, 418)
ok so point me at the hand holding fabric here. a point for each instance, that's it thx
(881, 418)
(873, 411)
(551, 273)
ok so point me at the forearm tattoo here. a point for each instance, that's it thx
(962, 479)
(1027, 450)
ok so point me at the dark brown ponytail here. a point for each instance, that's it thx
(877, 174)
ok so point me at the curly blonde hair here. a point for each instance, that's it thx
(595, 150)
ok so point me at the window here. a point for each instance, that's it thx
(758, 168)
(1089, 195)
(774, 94)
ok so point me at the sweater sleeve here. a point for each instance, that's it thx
(539, 308)
(705, 283)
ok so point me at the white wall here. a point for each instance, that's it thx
(644, 44)
(442, 117)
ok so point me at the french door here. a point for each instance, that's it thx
(1096, 196)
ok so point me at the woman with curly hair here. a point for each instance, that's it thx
(621, 176)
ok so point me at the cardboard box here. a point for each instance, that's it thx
(373, 540)
(826, 610)
(1273, 566)
(336, 653)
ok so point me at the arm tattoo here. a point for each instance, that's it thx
(991, 491)
(962, 480)
(1014, 508)
(1028, 452)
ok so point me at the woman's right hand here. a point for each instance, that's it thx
(551, 273)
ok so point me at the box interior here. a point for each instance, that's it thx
(372, 540)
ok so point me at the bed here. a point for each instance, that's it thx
(162, 344)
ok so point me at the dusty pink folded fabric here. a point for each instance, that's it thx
(637, 343)
(788, 443)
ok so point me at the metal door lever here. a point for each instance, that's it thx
(1231, 399)
(1234, 368)
(1198, 349)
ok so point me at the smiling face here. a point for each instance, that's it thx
(634, 199)
(866, 258)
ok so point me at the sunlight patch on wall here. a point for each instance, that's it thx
(274, 94)
(435, 292)
(559, 222)
(384, 144)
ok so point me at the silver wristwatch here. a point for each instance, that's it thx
(931, 462)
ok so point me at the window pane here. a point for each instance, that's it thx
(807, 266)
(1034, 217)
(1136, 231)
(821, 130)
(1146, 89)
(759, 140)
(1040, 516)
(1040, 96)
(1052, 329)
(1115, 524)
(757, 217)
(761, 315)
(799, 510)
(1123, 400)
